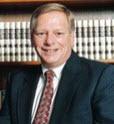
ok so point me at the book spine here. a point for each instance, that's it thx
(23, 41)
(75, 39)
(85, 37)
(96, 40)
(112, 37)
(102, 40)
(18, 40)
(29, 43)
(7, 41)
(108, 39)
(12, 42)
(90, 39)
(79, 38)
(2, 46)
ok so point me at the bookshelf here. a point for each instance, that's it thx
(72, 3)
(68, 2)
(20, 10)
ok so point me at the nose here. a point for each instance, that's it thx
(49, 39)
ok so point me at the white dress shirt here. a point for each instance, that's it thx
(40, 86)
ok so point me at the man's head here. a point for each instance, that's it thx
(52, 27)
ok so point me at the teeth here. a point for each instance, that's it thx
(49, 50)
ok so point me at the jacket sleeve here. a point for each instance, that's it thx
(5, 110)
(103, 105)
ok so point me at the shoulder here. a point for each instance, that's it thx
(102, 74)
(91, 67)
(25, 70)
(97, 67)
(18, 76)
(88, 63)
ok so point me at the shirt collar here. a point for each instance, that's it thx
(56, 70)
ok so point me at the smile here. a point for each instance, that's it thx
(50, 51)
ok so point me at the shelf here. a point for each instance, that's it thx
(67, 2)
(18, 63)
(30, 5)
(110, 61)
(33, 63)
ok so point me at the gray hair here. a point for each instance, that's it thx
(48, 8)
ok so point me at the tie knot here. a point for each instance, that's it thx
(49, 75)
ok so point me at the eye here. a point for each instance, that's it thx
(40, 33)
(59, 33)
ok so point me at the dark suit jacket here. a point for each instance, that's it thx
(85, 94)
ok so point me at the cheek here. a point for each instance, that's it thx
(62, 42)
(66, 43)
(36, 43)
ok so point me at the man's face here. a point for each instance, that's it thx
(52, 38)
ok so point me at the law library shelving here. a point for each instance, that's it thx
(93, 36)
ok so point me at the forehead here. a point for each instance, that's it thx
(52, 16)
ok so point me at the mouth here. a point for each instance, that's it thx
(49, 51)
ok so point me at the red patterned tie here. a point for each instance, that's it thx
(42, 114)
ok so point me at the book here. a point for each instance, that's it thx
(93, 39)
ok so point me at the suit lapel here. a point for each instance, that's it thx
(66, 90)
(26, 96)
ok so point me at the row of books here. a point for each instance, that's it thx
(94, 39)
(15, 43)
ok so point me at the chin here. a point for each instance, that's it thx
(49, 63)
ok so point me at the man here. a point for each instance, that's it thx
(83, 89)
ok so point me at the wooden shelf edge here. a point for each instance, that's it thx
(37, 1)
(67, 2)
(110, 61)
(19, 63)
